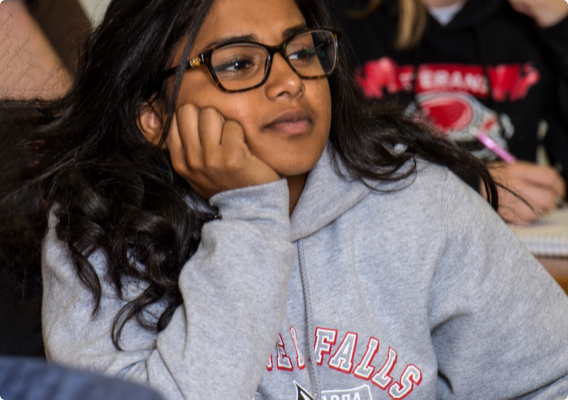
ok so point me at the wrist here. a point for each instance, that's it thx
(267, 202)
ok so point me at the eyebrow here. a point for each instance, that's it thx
(231, 39)
(288, 33)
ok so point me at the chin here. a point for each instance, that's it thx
(293, 160)
(294, 170)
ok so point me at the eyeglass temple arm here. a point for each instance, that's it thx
(194, 62)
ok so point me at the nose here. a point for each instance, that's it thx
(283, 81)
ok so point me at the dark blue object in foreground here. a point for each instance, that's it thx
(30, 379)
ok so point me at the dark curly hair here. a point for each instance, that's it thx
(84, 159)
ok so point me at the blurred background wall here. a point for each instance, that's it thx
(94, 8)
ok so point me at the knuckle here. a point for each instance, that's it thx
(549, 174)
(549, 201)
(209, 160)
(192, 163)
(179, 166)
(208, 112)
(233, 161)
(186, 108)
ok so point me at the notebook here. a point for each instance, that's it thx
(547, 237)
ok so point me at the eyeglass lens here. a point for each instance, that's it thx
(241, 66)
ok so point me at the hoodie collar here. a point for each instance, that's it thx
(326, 196)
(329, 193)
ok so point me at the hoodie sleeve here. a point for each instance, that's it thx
(499, 322)
(218, 341)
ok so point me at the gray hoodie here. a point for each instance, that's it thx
(420, 292)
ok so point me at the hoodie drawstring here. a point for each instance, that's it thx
(309, 322)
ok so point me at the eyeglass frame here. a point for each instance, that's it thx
(205, 58)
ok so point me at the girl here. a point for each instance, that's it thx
(290, 243)
(475, 66)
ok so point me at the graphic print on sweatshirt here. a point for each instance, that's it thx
(337, 353)
(448, 94)
(360, 393)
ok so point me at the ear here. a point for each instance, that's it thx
(150, 123)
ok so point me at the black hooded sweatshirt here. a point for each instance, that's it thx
(527, 66)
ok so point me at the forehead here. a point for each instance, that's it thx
(266, 20)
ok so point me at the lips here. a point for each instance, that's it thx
(293, 122)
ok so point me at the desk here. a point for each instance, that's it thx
(558, 268)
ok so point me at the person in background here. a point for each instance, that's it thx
(39, 45)
(498, 67)
(40, 41)
(65, 25)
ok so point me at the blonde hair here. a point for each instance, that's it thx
(411, 20)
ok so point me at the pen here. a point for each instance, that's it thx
(509, 158)
(495, 148)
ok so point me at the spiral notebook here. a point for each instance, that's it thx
(547, 237)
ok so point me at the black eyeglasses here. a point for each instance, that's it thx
(236, 67)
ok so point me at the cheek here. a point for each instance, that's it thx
(202, 92)
(321, 103)
(199, 89)
(240, 108)
(245, 110)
